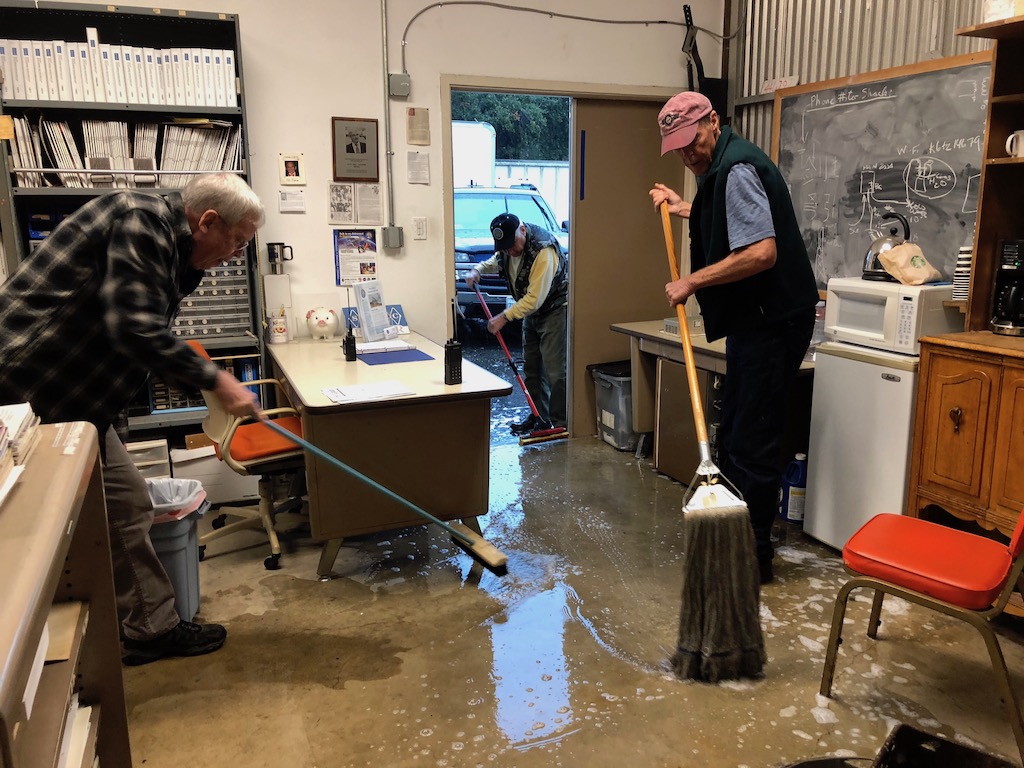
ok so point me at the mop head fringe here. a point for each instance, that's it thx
(719, 626)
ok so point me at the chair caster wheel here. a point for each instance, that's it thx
(219, 521)
(202, 551)
(273, 562)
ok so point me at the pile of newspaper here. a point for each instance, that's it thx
(20, 425)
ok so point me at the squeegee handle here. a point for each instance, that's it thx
(508, 355)
(360, 476)
(699, 422)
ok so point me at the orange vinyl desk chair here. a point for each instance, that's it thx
(961, 574)
(249, 448)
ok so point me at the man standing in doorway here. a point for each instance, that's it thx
(537, 272)
(755, 286)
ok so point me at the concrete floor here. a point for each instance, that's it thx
(411, 657)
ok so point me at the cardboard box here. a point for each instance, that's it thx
(996, 10)
(197, 441)
(221, 483)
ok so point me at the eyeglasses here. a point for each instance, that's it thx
(238, 244)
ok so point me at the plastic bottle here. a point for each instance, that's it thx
(794, 490)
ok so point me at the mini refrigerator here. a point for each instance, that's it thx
(862, 411)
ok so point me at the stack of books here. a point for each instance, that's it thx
(21, 424)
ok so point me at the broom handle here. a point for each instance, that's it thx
(359, 475)
(508, 356)
(684, 331)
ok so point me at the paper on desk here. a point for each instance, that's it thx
(394, 345)
(358, 392)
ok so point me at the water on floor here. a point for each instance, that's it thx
(415, 656)
(483, 349)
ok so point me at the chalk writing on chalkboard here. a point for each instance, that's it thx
(897, 141)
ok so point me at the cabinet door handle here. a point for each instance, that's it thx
(955, 415)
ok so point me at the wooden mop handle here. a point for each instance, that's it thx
(699, 422)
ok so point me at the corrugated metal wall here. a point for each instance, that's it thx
(824, 39)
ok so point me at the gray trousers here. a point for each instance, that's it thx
(544, 363)
(144, 593)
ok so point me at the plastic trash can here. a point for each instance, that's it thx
(613, 390)
(178, 503)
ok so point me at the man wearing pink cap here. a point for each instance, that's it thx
(755, 287)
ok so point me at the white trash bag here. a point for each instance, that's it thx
(169, 494)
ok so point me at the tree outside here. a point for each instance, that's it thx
(527, 127)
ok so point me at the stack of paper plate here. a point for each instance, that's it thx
(962, 274)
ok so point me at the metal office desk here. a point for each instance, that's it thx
(431, 447)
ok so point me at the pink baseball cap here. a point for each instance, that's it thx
(678, 119)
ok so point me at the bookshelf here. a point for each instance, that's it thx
(157, 98)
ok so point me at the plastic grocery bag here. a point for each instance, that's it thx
(173, 493)
(906, 262)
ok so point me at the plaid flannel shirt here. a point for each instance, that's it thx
(86, 317)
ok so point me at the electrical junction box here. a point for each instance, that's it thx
(399, 85)
(391, 237)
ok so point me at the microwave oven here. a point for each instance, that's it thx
(888, 316)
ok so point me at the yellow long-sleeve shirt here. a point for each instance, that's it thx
(541, 276)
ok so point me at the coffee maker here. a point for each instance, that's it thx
(1008, 298)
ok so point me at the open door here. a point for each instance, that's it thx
(617, 253)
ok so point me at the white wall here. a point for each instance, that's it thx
(305, 61)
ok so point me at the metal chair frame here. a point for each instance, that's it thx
(979, 619)
(220, 426)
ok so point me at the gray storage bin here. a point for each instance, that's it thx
(179, 505)
(614, 398)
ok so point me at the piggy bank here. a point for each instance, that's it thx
(322, 322)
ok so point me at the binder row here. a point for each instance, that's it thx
(91, 71)
(108, 146)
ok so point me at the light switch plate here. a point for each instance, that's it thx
(419, 227)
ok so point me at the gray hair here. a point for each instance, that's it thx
(225, 193)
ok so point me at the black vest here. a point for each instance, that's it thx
(775, 294)
(538, 239)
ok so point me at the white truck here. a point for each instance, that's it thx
(472, 154)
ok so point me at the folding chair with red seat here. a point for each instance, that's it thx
(960, 574)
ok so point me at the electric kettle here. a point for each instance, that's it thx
(873, 269)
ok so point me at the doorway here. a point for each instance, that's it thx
(617, 253)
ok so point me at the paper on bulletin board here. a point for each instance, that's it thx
(355, 256)
(419, 167)
(417, 126)
(292, 201)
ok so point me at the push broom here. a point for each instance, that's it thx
(719, 629)
(475, 545)
(537, 435)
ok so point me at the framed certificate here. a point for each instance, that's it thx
(355, 149)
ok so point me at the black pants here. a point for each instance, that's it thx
(761, 366)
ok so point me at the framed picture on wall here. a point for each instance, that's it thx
(355, 149)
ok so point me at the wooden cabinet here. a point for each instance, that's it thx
(969, 429)
(55, 556)
(969, 419)
(1001, 176)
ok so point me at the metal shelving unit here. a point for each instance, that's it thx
(224, 311)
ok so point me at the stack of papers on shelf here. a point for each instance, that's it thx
(21, 424)
(962, 273)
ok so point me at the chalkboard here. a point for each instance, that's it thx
(906, 140)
